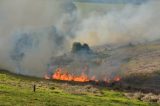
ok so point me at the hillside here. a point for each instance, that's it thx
(137, 64)
(18, 91)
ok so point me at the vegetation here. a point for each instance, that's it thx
(18, 91)
(78, 47)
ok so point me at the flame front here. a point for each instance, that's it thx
(59, 75)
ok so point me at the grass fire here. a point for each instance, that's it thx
(79, 53)
(62, 74)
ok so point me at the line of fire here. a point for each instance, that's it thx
(63, 74)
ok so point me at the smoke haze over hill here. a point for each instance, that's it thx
(32, 32)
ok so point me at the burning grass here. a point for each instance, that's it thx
(59, 75)
(18, 90)
(62, 75)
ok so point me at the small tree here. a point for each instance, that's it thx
(76, 47)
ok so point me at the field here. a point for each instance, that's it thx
(18, 91)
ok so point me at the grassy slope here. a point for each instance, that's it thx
(17, 91)
(143, 66)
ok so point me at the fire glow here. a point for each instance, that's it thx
(59, 75)
(65, 76)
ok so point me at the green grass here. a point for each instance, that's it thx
(17, 91)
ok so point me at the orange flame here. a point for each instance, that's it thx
(117, 78)
(60, 74)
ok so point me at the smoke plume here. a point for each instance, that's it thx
(133, 23)
(33, 32)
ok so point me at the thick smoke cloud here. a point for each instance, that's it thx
(133, 23)
(33, 32)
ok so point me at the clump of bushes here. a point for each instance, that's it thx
(77, 47)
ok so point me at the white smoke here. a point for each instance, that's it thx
(32, 32)
(134, 23)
